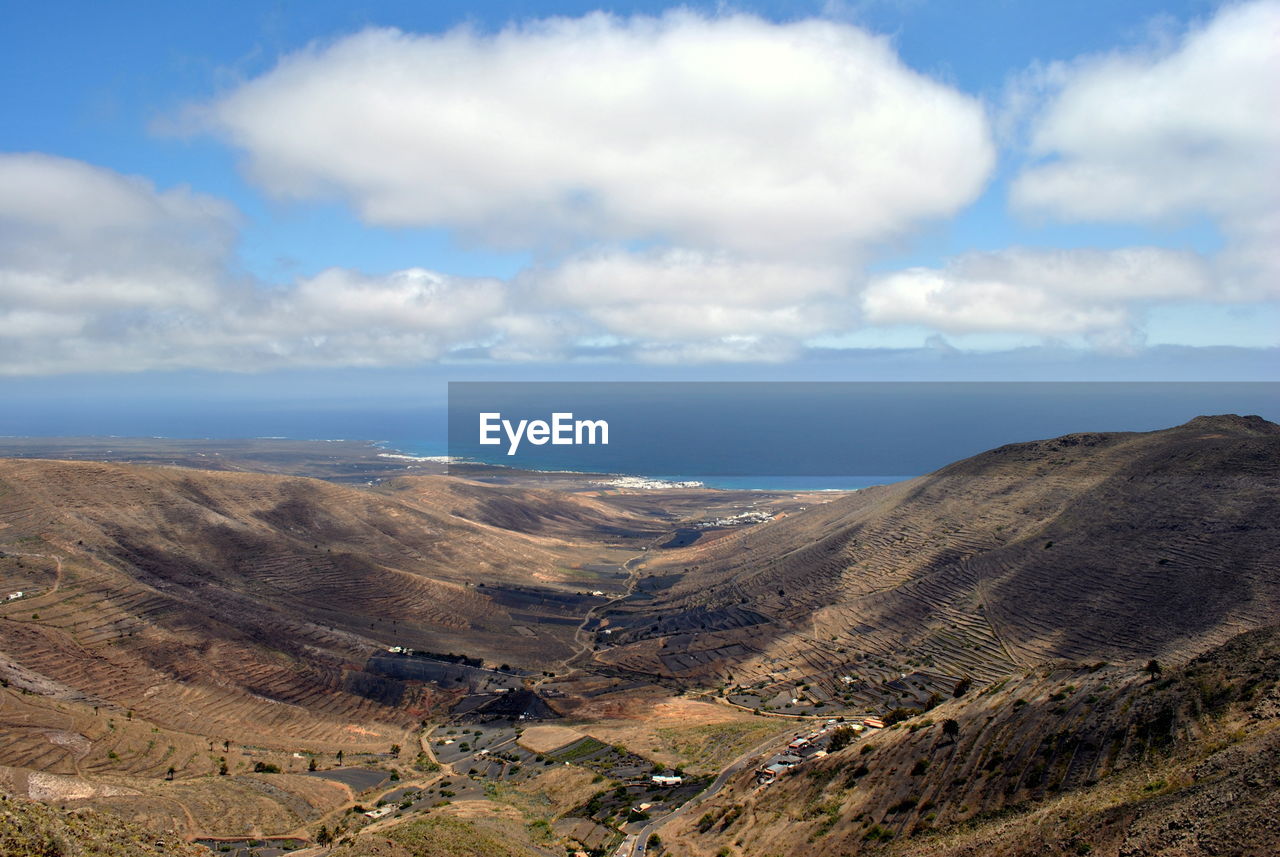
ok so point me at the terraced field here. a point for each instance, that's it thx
(1057, 760)
(1113, 547)
(172, 620)
(183, 646)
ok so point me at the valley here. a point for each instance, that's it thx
(270, 644)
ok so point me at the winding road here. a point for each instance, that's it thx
(634, 845)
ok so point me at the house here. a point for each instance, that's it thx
(769, 773)
(14, 596)
(799, 744)
(665, 780)
(873, 722)
(381, 811)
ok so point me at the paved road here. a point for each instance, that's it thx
(584, 646)
(635, 847)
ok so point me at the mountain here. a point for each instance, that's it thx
(158, 588)
(205, 652)
(1057, 760)
(173, 619)
(1089, 547)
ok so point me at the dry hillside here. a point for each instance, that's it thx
(1116, 547)
(1059, 760)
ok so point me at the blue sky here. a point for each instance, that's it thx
(746, 189)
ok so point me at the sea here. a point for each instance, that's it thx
(765, 436)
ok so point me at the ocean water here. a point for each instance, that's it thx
(782, 436)
(438, 448)
(814, 435)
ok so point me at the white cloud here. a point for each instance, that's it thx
(726, 349)
(759, 164)
(100, 271)
(344, 317)
(75, 238)
(1045, 293)
(673, 295)
(154, 289)
(727, 133)
(411, 300)
(1161, 134)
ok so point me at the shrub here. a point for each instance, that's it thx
(841, 738)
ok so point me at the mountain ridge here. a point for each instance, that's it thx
(1092, 546)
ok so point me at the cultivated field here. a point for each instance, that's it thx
(503, 663)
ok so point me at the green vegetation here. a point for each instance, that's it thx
(443, 836)
(841, 738)
(578, 750)
(30, 828)
(878, 834)
(707, 747)
(829, 812)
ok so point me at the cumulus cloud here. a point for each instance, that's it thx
(718, 133)
(1159, 134)
(1046, 293)
(696, 189)
(674, 295)
(760, 162)
(75, 237)
(100, 271)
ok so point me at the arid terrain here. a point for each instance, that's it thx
(316, 647)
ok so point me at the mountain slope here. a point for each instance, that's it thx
(1085, 547)
(1059, 760)
(33, 830)
(241, 604)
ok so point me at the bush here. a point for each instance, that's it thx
(856, 774)
(878, 833)
(841, 738)
(899, 714)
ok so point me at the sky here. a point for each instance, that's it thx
(292, 199)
